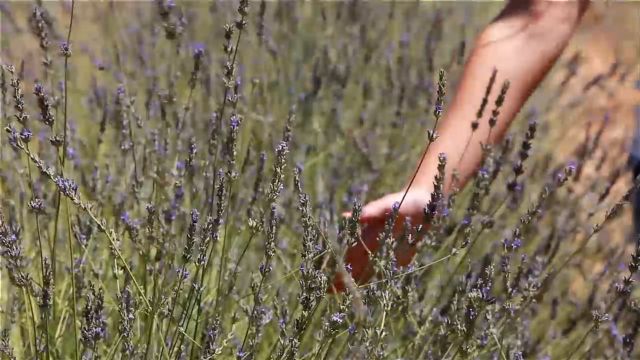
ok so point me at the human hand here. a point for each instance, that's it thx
(372, 221)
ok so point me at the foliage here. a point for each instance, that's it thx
(174, 189)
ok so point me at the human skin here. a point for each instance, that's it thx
(522, 43)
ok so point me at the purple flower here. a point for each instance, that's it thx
(94, 327)
(445, 211)
(131, 224)
(67, 186)
(169, 215)
(266, 315)
(13, 135)
(37, 206)
(183, 273)
(198, 49)
(120, 91)
(615, 332)
(195, 216)
(71, 153)
(65, 49)
(180, 165)
(25, 135)
(516, 243)
(438, 110)
(338, 317)
(38, 89)
(349, 268)
(483, 172)
(264, 269)
(235, 123)
(125, 217)
(518, 188)
(179, 192)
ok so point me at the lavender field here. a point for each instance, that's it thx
(174, 178)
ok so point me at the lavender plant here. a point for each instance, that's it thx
(172, 188)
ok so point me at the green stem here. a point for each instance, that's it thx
(101, 224)
(73, 282)
(37, 216)
(66, 77)
(54, 241)
(223, 257)
(221, 116)
(34, 341)
(326, 354)
(152, 315)
(186, 309)
(114, 348)
(133, 156)
(63, 160)
(251, 314)
(495, 338)
(173, 308)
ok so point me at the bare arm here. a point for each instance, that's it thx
(522, 43)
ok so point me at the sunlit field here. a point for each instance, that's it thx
(173, 179)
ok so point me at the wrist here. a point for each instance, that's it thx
(418, 186)
(424, 174)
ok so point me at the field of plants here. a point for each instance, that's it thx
(173, 179)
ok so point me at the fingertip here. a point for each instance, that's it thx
(365, 219)
(368, 216)
(375, 209)
(367, 213)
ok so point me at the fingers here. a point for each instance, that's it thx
(377, 209)
(404, 253)
(348, 215)
(357, 257)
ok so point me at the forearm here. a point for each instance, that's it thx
(522, 44)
